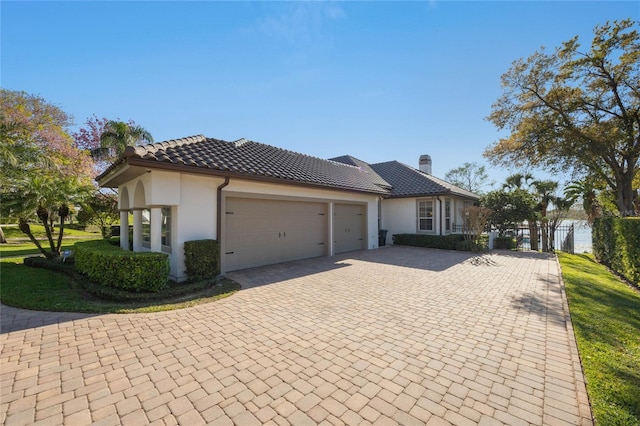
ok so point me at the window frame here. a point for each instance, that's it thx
(430, 206)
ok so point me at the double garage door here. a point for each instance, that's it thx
(262, 232)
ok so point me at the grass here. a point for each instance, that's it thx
(28, 248)
(19, 245)
(13, 232)
(46, 290)
(606, 318)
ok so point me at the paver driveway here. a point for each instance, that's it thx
(397, 335)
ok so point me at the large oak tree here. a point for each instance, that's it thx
(576, 110)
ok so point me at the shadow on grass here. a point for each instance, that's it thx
(47, 297)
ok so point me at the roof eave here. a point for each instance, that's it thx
(141, 165)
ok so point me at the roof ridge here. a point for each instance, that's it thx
(140, 150)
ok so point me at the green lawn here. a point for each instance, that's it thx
(606, 318)
(12, 232)
(27, 248)
(19, 245)
(46, 290)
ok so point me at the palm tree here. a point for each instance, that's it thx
(587, 191)
(544, 191)
(517, 180)
(118, 135)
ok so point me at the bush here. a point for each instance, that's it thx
(616, 243)
(55, 264)
(508, 243)
(202, 259)
(445, 242)
(110, 266)
(476, 246)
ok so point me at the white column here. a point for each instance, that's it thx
(331, 244)
(124, 229)
(137, 229)
(156, 229)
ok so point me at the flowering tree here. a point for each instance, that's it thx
(42, 168)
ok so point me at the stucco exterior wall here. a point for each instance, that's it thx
(193, 201)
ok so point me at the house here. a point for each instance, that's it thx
(269, 205)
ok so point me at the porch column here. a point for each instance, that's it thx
(124, 229)
(331, 236)
(156, 229)
(137, 229)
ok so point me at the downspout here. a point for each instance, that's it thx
(219, 209)
(440, 203)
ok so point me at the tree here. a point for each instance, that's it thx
(87, 138)
(100, 209)
(475, 223)
(587, 191)
(36, 148)
(49, 198)
(574, 110)
(544, 194)
(470, 176)
(116, 136)
(508, 208)
(517, 180)
(34, 138)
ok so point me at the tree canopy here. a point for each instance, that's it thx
(116, 136)
(576, 110)
(470, 176)
(35, 139)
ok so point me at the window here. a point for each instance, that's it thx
(165, 231)
(425, 215)
(447, 215)
(146, 227)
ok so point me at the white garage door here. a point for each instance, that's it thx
(348, 227)
(262, 232)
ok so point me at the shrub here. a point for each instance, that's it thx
(479, 245)
(616, 243)
(504, 243)
(445, 242)
(202, 259)
(55, 264)
(110, 266)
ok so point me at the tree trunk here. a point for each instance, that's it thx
(625, 194)
(24, 227)
(545, 236)
(533, 235)
(60, 232)
(3, 240)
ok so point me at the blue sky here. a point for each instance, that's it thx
(376, 80)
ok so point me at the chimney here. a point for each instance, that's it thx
(425, 164)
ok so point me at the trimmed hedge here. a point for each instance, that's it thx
(508, 243)
(445, 242)
(202, 259)
(108, 265)
(616, 243)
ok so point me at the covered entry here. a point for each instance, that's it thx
(348, 227)
(261, 231)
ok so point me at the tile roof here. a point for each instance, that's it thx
(246, 158)
(366, 167)
(407, 181)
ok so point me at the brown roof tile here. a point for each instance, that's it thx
(253, 159)
(409, 182)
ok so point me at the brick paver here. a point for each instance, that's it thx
(397, 335)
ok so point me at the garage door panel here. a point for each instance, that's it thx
(348, 228)
(261, 232)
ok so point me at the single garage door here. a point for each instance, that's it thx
(261, 232)
(348, 227)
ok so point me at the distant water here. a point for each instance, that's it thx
(581, 236)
